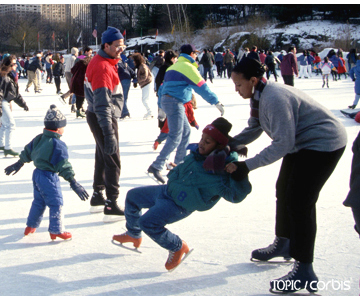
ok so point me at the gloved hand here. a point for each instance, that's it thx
(220, 108)
(110, 144)
(79, 190)
(241, 172)
(26, 108)
(14, 168)
(135, 84)
(215, 161)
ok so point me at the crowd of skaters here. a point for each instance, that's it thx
(101, 90)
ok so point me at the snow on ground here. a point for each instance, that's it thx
(222, 238)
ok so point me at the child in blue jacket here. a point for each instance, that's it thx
(196, 184)
(50, 157)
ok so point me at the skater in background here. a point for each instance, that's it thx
(310, 141)
(50, 157)
(9, 91)
(145, 79)
(342, 66)
(326, 68)
(59, 72)
(179, 82)
(126, 76)
(353, 198)
(351, 57)
(336, 62)
(289, 66)
(355, 76)
(209, 162)
(303, 65)
(69, 63)
(270, 62)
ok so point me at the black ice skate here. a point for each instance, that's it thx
(279, 248)
(112, 212)
(155, 175)
(97, 202)
(302, 276)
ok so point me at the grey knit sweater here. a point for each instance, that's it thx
(294, 121)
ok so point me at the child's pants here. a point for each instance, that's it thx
(162, 211)
(47, 192)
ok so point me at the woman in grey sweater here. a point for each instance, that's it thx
(311, 141)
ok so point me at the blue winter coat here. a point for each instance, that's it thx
(355, 74)
(195, 189)
(303, 60)
(336, 61)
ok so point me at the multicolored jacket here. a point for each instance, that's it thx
(49, 153)
(103, 90)
(195, 189)
(183, 77)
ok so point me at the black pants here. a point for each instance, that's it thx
(57, 80)
(49, 75)
(271, 69)
(288, 79)
(107, 167)
(356, 214)
(301, 177)
(229, 67)
(79, 102)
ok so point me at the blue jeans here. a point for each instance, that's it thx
(356, 101)
(179, 131)
(162, 211)
(7, 125)
(126, 87)
(47, 192)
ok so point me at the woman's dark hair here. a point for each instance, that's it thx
(169, 54)
(5, 67)
(326, 59)
(138, 59)
(249, 68)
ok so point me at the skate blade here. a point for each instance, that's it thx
(297, 293)
(290, 261)
(156, 180)
(116, 243)
(60, 240)
(62, 101)
(96, 209)
(182, 260)
(113, 218)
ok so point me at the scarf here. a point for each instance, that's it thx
(255, 99)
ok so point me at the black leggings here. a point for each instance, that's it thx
(302, 175)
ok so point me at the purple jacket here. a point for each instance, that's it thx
(289, 65)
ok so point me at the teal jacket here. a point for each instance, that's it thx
(195, 189)
(49, 153)
(183, 77)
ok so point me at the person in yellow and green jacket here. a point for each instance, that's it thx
(179, 81)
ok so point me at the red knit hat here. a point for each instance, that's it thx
(219, 130)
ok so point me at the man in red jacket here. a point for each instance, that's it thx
(105, 100)
(289, 66)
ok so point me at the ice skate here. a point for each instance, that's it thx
(125, 238)
(112, 212)
(279, 248)
(62, 100)
(79, 114)
(302, 276)
(2, 148)
(176, 258)
(148, 116)
(97, 202)
(155, 175)
(64, 236)
(352, 107)
(29, 230)
(10, 152)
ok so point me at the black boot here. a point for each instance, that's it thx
(301, 277)
(97, 202)
(279, 248)
(112, 211)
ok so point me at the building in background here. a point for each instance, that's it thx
(20, 9)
